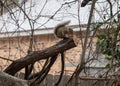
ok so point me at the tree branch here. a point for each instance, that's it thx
(39, 55)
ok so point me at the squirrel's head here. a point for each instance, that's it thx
(68, 32)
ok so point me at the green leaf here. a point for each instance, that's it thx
(108, 58)
(98, 24)
(101, 36)
(107, 66)
(107, 52)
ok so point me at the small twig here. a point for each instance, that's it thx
(7, 59)
(111, 12)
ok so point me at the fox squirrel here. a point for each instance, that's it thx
(61, 31)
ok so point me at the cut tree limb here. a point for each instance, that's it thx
(39, 55)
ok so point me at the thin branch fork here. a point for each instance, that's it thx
(34, 56)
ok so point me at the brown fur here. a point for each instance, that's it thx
(61, 31)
